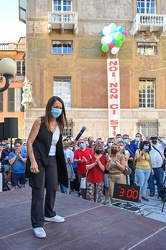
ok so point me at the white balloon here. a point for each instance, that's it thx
(103, 40)
(106, 30)
(114, 50)
(112, 27)
(109, 38)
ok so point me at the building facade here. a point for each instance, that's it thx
(10, 99)
(64, 57)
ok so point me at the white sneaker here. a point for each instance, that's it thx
(56, 218)
(39, 232)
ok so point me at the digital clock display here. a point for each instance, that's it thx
(126, 192)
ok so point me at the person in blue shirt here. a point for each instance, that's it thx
(131, 147)
(17, 161)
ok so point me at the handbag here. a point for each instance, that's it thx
(8, 175)
(72, 174)
(127, 170)
(83, 183)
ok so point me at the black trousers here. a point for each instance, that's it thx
(83, 191)
(75, 185)
(39, 206)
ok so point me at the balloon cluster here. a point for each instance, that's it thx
(113, 38)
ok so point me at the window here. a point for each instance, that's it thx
(62, 88)
(1, 101)
(148, 128)
(146, 6)
(146, 93)
(69, 130)
(147, 49)
(59, 5)
(14, 99)
(20, 70)
(22, 10)
(62, 47)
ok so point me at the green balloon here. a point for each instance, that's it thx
(118, 43)
(119, 36)
(105, 47)
(123, 38)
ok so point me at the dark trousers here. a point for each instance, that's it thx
(132, 175)
(158, 176)
(83, 191)
(50, 182)
(75, 184)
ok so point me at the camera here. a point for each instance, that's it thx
(153, 137)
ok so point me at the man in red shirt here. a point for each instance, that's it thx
(81, 156)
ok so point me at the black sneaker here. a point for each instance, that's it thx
(144, 198)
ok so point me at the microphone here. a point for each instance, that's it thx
(80, 133)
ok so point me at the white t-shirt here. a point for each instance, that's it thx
(55, 139)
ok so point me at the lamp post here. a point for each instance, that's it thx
(7, 69)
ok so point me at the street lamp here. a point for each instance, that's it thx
(7, 69)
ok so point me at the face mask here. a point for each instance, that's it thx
(87, 143)
(137, 138)
(110, 144)
(121, 147)
(56, 112)
(98, 151)
(146, 148)
(114, 151)
(126, 141)
(82, 145)
(154, 141)
(118, 139)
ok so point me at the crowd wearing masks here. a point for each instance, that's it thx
(102, 162)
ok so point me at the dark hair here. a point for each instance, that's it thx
(144, 143)
(126, 135)
(139, 134)
(61, 120)
(18, 140)
(118, 135)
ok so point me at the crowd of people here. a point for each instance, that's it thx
(12, 160)
(101, 162)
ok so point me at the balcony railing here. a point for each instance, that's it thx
(148, 23)
(63, 20)
(15, 78)
(13, 46)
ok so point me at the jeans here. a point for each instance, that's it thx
(143, 176)
(132, 175)
(62, 188)
(158, 176)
